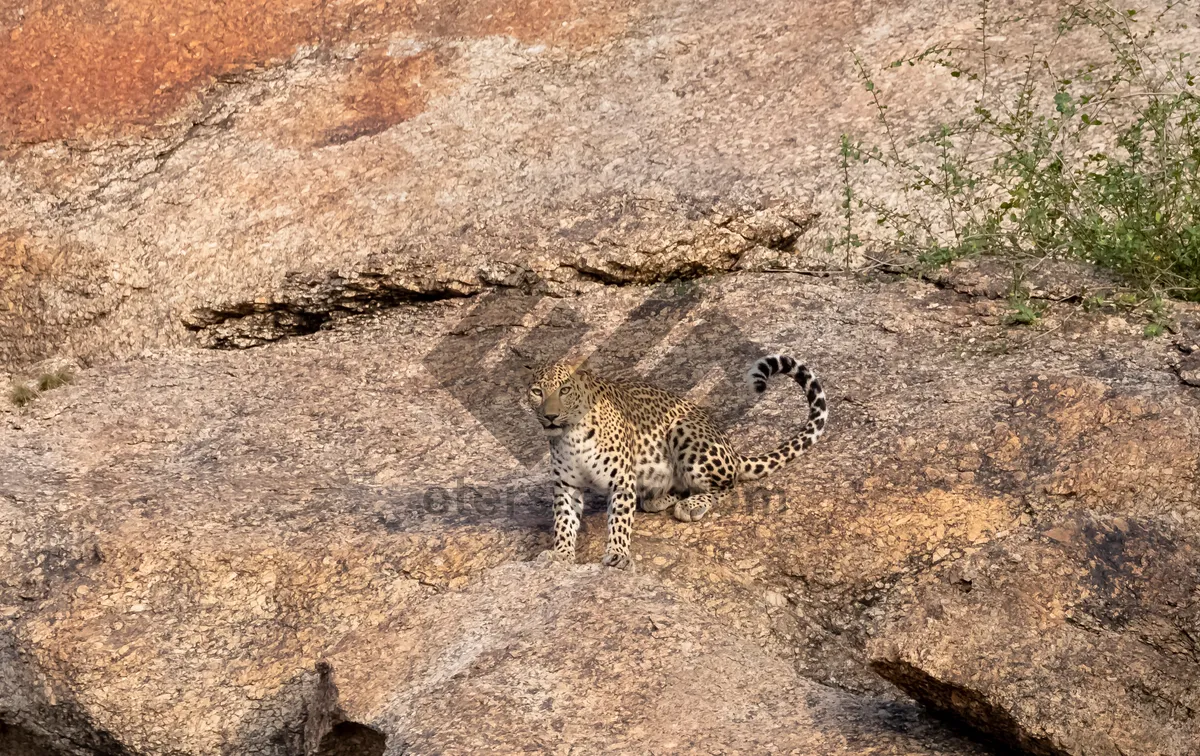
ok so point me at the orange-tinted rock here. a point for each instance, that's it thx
(383, 91)
(94, 68)
(91, 67)
(47, 290)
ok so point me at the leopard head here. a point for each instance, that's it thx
(560, 395)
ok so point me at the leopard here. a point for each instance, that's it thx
(638, 444)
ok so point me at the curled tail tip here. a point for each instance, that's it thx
(777, 364)
(756, 377)
(756, 381)
(782, 364)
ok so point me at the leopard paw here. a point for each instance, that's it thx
(657, 505)
(690, 512)
(619, 561)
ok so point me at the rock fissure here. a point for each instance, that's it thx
(967, 707)
(308, 304)
(253, 324)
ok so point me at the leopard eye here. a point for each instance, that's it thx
(564, 391)
(535, 391)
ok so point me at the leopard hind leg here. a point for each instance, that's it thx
(659, 503)
(703, 472)
(693, 508)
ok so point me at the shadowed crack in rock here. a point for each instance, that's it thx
(327, 731)
(707, 244)
(250, 324)
(1188, 370)
(964, 708)
(19, 741)
(352, 739)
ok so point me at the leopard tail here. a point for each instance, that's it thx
(762, 465)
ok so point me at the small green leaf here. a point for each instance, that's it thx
(1063, 103)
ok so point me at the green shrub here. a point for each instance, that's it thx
(1015, 177)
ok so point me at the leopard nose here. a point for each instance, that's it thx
(549, 417)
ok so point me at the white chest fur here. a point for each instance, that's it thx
(580, 464)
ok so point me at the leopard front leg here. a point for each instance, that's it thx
(568, 509)
(621, 503)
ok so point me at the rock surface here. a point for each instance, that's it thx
(191, 532)
(1079, 638)
(316, 546)
(558, 659)
(230, 174)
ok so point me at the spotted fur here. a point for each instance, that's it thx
(636, 443)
